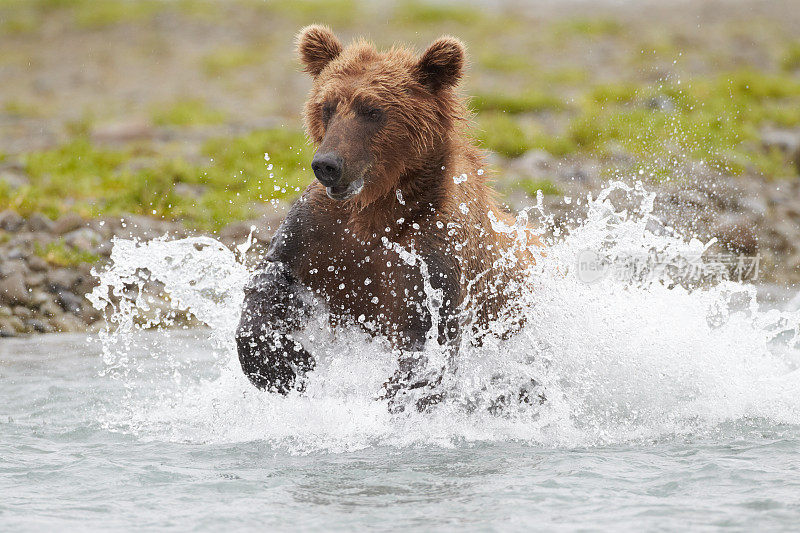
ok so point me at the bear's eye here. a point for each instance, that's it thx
(373, 114)
(327, 111)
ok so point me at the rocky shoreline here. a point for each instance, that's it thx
(46, 265)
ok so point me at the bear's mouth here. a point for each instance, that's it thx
(344, 193)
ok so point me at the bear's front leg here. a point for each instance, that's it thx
(275, 306)
(418, 380)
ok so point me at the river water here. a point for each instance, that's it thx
(666, 408)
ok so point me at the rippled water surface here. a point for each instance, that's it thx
(665, 408)
(61, 464)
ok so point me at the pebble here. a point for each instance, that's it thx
(11, 221)
(747, 215)
(67, 223)
(13, 289)
(39, 326)
(62, 278)
(68, 301)
(737, 235)
(37, 264)
(40, 223)
(85, 239)
(67, 323)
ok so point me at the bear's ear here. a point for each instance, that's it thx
(441, 64)
(317, 46)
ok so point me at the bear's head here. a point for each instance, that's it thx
(378, 117)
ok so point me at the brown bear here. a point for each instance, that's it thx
(400, 200)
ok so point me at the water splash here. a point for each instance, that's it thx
(636, 360)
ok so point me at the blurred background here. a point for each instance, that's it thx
(140, 118)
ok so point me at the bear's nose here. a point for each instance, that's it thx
(327, 168)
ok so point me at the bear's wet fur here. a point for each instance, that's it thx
(391, 135)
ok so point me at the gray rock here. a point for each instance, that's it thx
(104, 248)
(238, 231)
(37, 264)
(86, 281)
(50, 309)
(787, 141)
(104, 226)
(69, 302)
(9, 267)
(5, 311)
(190, 190)
(18, 252)
(40, 223)
(13, 289)
(691, 197)
(122, 132)
(38, 297)
(16, 323)
(11, 221)
(62, 278)
(67, 223)
(13, 177)
(22, 312)
(85, 239)
(34, 279)
(755, 205)
(582, 172)
(533, 163)
(737, 235)
(38, 325)
(67, 323)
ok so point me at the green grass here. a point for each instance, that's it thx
(532, 186)
(227, 59)
(528, 102)
(425, 13)
(335, 13)
(714, 120)
(19, 108)
(101, 13)
(19, 21)
(189, 112)
(59, 253)
(587, 27)
(90, 180)
(502, 134)
(504, 61)
(615, 93)
(791, 57)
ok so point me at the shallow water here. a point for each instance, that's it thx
(665, 407)
(63, 465)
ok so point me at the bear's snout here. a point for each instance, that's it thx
(327, 168)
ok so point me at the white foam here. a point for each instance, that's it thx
(617, 361)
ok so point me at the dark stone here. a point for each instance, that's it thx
(737, 235)
(39, 325)
(67, 223)
(13, 289)
(37, 264)
(85, 239)
(11, 221)
(62, 278)
(69, 302)
(38, 222)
